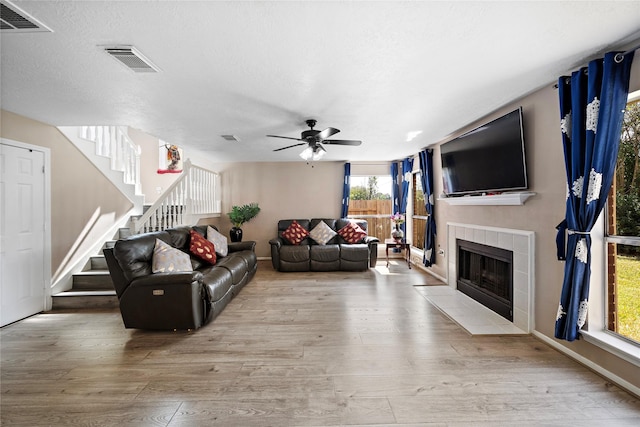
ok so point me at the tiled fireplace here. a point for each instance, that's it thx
(520, 242)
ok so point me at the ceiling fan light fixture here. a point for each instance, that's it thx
(318, 154)
(307, 153)
(312, 153)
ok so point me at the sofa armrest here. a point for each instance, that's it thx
(120, 282)
(164, 279)
(276, 244)
(248, 245)
(373, 249)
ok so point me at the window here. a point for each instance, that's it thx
(419, 213)
(370, 199)
(623, 231)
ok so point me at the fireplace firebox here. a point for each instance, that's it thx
(485, 273)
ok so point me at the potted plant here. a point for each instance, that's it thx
(238, 216)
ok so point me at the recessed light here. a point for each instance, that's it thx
(411, 135)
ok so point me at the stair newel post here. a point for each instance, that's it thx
(211, 201)
(166, 212)
(197, 182)
(179, 208)
(186, 195)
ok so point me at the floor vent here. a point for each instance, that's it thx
(131, 58)
(15, 20)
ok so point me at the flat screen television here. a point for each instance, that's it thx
(488, 159)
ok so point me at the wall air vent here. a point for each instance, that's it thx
(15, 20)
(131, 58)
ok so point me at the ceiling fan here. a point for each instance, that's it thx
(315, 140)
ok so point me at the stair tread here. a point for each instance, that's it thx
(85, 293)
(96, 272)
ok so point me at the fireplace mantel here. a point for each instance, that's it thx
(504, 199)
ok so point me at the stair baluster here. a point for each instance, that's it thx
(196, 192)
(114, 143)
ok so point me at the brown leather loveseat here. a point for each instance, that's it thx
(329, 251)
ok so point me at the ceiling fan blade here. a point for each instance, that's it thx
(342, 142)
(327, 133)
(285, 137)
(290, 146)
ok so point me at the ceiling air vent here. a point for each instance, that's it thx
(231, 138)
(15, 20)
(131, 58)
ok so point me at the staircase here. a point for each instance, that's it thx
(92, 287)
(194, 195)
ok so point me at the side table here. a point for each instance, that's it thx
(402, 245)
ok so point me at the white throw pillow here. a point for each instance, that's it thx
(167, 259)
(218, 240)
(322, 233)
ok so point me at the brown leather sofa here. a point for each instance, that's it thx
(335, 255)
(185, 300)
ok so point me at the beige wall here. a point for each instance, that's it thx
(150, 179)
(84, 204)
(540, 213)
(283, 191)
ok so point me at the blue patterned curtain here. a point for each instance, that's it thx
(407, 168)
(592, 103)
(426, 177)
(346, 190)
(395, 188)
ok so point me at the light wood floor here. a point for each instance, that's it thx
(299, 349)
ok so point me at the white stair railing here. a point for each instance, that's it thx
(195, 193)
(114, 143)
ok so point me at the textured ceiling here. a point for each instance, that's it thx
(375, 70)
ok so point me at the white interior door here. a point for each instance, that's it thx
(22, 233)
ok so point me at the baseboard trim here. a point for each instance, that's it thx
(428, 270)
(620, 382)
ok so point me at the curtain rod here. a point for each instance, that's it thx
(620, 56)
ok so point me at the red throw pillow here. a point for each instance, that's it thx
(202, 248)
(295, 233)
(352, 233)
